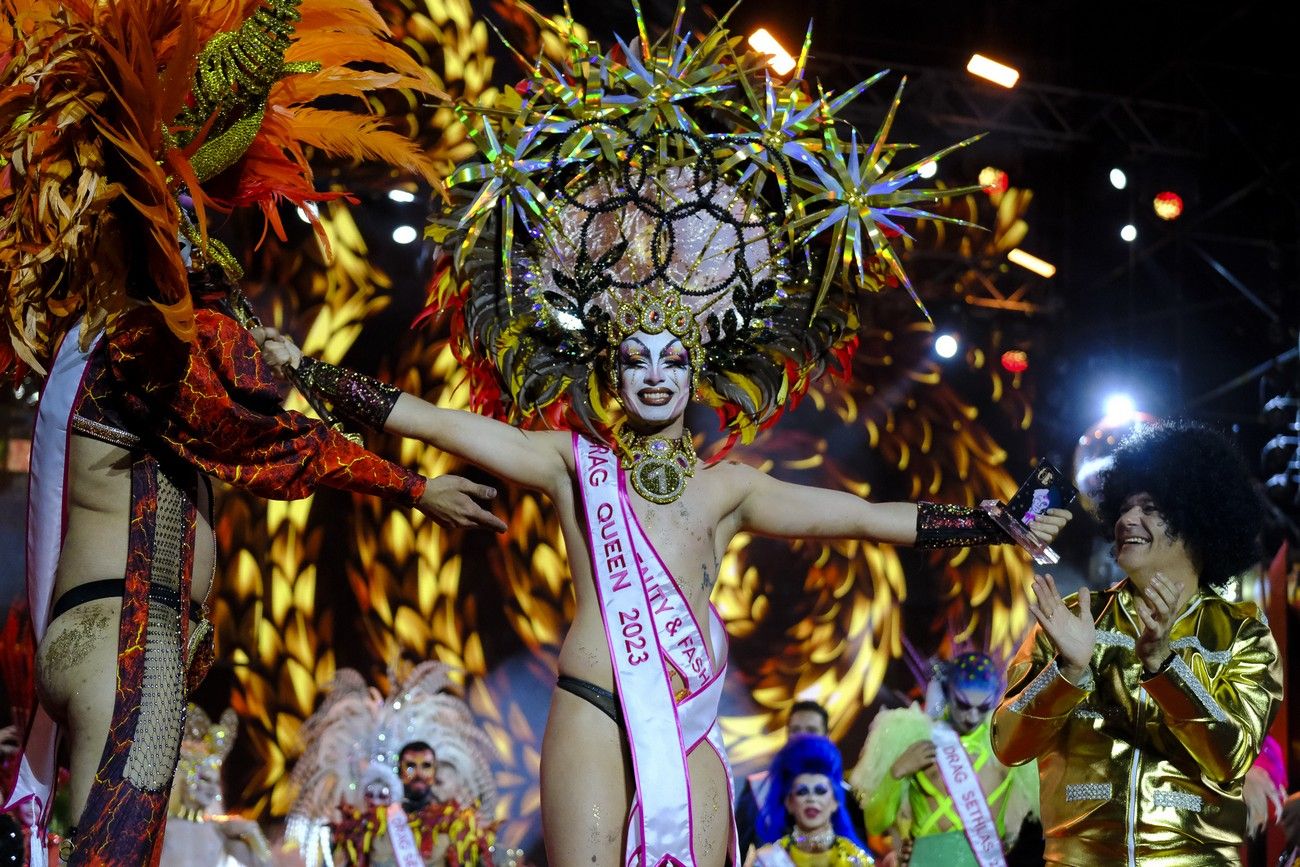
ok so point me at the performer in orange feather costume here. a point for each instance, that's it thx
(124, 126)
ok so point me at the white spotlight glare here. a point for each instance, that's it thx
(927, 169)
(778, 58)
(1129, 233)
(405, 234)
(306, 215)
(945, 346)
(1119, 407)
(987, 68)
(1118, 179)
(402, 197)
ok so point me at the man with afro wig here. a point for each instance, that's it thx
(1145, 704)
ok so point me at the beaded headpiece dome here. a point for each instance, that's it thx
(680, 173)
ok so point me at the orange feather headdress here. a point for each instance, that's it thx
(111, 111)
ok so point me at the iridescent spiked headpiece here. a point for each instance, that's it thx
(678, 167)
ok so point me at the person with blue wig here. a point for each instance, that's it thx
(805, 821)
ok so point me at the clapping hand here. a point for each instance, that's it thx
(1157, 607)
(1072, 633)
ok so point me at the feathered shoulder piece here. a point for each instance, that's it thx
(892, 732)
(114, 112)
(675, 175)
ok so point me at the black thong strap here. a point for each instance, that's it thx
(105, 588)
(598, 697)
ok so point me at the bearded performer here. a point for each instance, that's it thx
(110, 119)
(644, 227)
(436, 797)
(1146, 704)
(931, 778)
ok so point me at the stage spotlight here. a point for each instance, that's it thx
(1129, 233)
(945, 346)
(778, 58)
(306, 215)
(998, 73)
(1031, 262)
(1168, 206)
(1119, 407)
(1118, 179)
(402, 197)
(405, 234)
(994, 180)
(927, 169)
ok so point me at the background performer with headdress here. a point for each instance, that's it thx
(646, 225)
(113, 126)
(918, 762)
(1147, 703)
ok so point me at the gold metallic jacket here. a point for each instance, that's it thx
(1145, 770)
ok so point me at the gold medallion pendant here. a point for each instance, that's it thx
(657, 466)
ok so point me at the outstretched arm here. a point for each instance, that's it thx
(213, 403)
(535, 459)
(776, 508)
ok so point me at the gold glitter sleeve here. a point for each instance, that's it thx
(1219, 705)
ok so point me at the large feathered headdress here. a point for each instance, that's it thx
(677, 176)
(114, 112)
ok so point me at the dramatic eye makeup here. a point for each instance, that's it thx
(820, 790)
(633, 353)
(675, 355)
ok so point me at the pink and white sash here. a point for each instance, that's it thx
(967, 796)
(405, 852)
(651, 630)
(46, 519)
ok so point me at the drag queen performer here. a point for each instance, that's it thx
(646, 225)
(111, 119)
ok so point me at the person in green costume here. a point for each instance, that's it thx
(912, 796)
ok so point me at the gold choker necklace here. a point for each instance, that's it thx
(658, 466)
(818, 841)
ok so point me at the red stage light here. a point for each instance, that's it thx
(993, 180)
(1015, 361)
(1168, 206)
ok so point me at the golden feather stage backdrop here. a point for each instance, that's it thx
(823, 621)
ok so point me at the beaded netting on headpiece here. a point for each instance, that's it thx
(675, 175)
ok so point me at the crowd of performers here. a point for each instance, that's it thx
(660, 223)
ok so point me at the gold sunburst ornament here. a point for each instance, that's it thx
(658, 467)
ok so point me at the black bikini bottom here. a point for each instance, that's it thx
(598, 697)
(109, 588)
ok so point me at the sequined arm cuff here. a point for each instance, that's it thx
(1050, 694)
(1181, 694)
(354, 396)
(943, 525)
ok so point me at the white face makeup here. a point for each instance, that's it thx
(1143, 545)
(968, 707)
(654, 377)
(812, 802)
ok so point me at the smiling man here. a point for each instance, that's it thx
(934, 784)
(1146, 704)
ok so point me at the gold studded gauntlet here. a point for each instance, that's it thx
(943, 525)
(354, 396)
